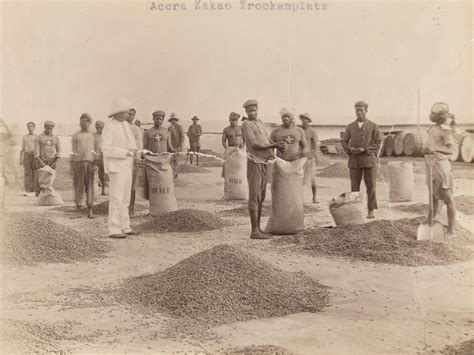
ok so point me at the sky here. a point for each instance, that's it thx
(62, 58)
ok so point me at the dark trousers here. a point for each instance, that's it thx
(174, 165)
(101, 171)
(370, 176)
(29, 166)
(83, 182)
(257, 176)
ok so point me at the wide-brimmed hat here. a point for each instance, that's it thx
(306, 116)
(120, 105)
(195, 118)
(173, 117)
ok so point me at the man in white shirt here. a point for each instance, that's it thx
(119, 149)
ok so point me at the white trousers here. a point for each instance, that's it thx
(120, 187)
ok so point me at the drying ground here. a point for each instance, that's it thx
(371, 307)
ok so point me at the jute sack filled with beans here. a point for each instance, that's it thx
(235, 174)
(287, 215)
(48, 196)
(160, 185)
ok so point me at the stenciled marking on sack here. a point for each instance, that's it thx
(235, 181)
(160, 190)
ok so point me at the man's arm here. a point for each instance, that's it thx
(224, 139)
(146, 141)
(345, 140)
(38, 151)
(23, 143)
(169, 145)
(303, 144)
(252, 141)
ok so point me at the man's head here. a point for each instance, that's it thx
(158, 118)
(138, 123)
(439, 112)
(195, 119)
(85, 121)
(251, 109)
(99, 126)
(31, 127)
(131, 115)
(233, 119)
(305, 119)
(287, 116)
(48, 127)
(361, 110)
(173, 118)
(120, 109)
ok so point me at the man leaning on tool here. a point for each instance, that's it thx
(361, 141)
(119, 149)
(440, 146)
(259, 150)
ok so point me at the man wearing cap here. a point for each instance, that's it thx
(259, 152)
(47, 149)
(194, 135)
(119, 149)
(361, 141)
(177, 140)
(27, 159)
(99, 157)
(158, 139)
(293, 136)
(138, 135)
(440, 146)
(232, 135)
(313, 145)
(84, 148)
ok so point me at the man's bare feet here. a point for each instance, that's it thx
(90, 214)
(259, 235)
(371, 214)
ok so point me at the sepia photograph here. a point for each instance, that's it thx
(236, 177)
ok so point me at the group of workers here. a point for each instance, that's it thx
(118, 147)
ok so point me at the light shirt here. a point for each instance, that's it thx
(360, 124)
(47, 146)
(117, 140)
(138, 135)
(439, 138)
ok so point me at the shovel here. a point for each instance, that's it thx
(431, 229)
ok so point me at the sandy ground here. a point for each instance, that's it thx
(374, 308)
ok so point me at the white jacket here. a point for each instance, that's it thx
(117, 142)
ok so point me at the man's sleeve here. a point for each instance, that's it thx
(377, 138)
(107, 148)
(248, 135)
(345, 140)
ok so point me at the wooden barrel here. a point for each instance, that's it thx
(398, 144)
(389, 145)
(414, 143)
(465, 149)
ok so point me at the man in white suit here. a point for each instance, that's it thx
(119, 149)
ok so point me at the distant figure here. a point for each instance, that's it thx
(138, 123)
(27, 159)
(158, 139)
(313, 145)
(439, 148)
(99, 156)
(119, 148)
(259, 151)
(361, 141)
(177, 141)
(138, 135)
(194, 135)
(47, 149)
(84, 146)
